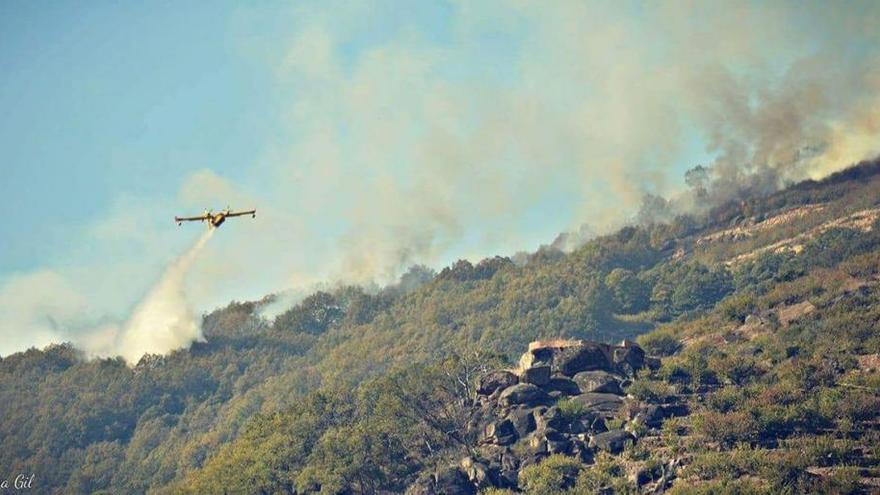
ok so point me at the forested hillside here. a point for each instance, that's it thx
(763, 313)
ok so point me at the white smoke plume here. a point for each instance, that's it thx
(161, 322)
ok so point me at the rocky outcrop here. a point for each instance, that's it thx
(562, 399)
(523, 393)
(569, 357)
(496, 380)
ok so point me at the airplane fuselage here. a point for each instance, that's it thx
(217, 220)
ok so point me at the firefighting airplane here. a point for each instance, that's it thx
(215, 219)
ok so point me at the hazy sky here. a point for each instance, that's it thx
(372, 135)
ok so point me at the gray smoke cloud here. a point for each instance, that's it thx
(591, 104)
(821, 116)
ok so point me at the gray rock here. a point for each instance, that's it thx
(536, 375)
(509, 462)
(496, 380)
(563, 385)
(500, 432)
(551, 418)
(476, 471)
(629, 358)
(598, 381)
(586, 423)
(509, 472)
(614, 441)
(649, 415)
(523, 393)
(537, 442)
(451, 481)
(603, 404)
(523, 421)
(584, 357)
(553, 435)
(558, 446)
(557, 443)
(537, 357)
(492, 453)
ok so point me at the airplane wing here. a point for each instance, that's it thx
(191, 219)
(240, 213)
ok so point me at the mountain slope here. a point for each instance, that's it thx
(268, 404)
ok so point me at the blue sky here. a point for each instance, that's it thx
(108, 98)
(378, 134)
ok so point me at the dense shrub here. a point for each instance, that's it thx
(660, 342)
(553, 475)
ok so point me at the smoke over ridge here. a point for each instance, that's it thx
(594, 107)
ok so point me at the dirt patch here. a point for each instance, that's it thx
(862, 220)
(752, 328)
(749, 229)
(712, 339)
(869, 362)
(788, 314)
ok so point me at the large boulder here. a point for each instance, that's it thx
(522, 394)
(551, 418)
(569, 357)
(537, 356)
(496, 380)
(587, 422)
(598, 381)
(584, 357)
(523, 421)
(536, 375)
(452, 481)
(476, 471)
(649, 415)
(557, 443)
(563, 385)
(548, 441)
(613, 441)
(606, 405)
(500, 432)
(629, 358)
